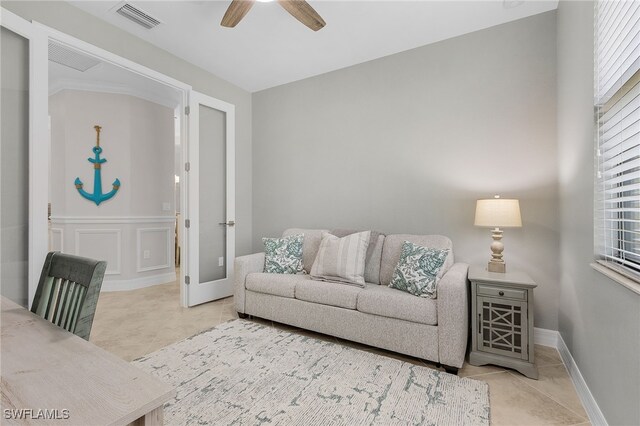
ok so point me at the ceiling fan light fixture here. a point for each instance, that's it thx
(265, 1)
(299, 9)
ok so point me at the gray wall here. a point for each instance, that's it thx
(73, 21)
(599, 319)
(14, 166)
(137, 137)
(407, 143)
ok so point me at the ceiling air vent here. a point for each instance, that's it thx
(138, 16)
(70, 58)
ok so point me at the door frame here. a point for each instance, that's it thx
(39, 35)
(106, 56)
(197, 295)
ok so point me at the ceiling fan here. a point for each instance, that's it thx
(299, 9)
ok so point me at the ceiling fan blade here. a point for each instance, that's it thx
(303, 12)
(236, 11)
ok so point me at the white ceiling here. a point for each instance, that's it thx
(269, 47)
(109, 78)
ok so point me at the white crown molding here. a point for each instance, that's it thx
(104, 87)
(96, 220)
(137, 283)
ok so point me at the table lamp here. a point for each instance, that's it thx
(497, 213)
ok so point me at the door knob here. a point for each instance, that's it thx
(230, 223)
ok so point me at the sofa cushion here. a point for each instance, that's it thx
(342, 259)
(393, 248)
(374, 253)
(391, 303)
(310, 246)
(372, 267)
(327, 293)
(418, 269)
(283, 255)
(283, 285)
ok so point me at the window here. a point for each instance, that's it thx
(617, 101)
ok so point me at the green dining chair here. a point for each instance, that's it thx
(68, 290)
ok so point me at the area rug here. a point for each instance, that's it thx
(243, 373)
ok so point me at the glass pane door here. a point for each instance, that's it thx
(14, 219)
(211, 201)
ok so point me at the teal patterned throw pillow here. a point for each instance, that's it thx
(417, 270)
(283, 255)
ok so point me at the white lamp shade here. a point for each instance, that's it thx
(498, 212)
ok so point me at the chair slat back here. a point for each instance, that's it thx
(67, 294)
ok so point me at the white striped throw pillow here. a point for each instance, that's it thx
(341, 259)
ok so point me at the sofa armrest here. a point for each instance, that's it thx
(242, 266)
(453, 315)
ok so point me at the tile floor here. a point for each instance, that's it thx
(134, 323)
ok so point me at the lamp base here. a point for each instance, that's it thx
(496, 264)
(497, 267)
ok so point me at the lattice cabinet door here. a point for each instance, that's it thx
(502, 327)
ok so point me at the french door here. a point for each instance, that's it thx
(210, 204)
(35, 240)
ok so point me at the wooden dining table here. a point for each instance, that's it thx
(51, 376)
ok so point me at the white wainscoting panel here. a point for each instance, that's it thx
(103, 244)
(137, 283)
(56, 239)
(122, 242)
(154, 237)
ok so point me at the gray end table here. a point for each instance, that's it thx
(502, 320)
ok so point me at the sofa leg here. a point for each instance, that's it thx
(451, 370)
(241, 315)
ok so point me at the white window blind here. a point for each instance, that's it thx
(618, 45)
(617, 198)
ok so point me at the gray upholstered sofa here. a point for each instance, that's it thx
(431, 329)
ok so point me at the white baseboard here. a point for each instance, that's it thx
(136, 283)
(545, 337)
(588, 401)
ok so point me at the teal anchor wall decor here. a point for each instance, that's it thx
(97, 196)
